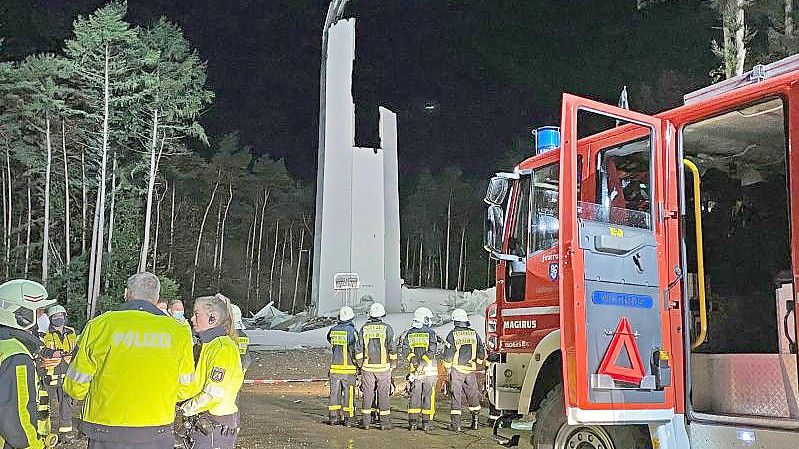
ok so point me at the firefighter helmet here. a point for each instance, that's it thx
(19, 301)
(377, 310)
(459, 315)
(346, 314)
(56, 309)
(423, 316)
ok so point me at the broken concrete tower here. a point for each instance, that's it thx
(357, 192)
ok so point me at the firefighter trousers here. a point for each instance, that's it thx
(342, 396)
(381, 382)
(423, 398)
(463, 389)
(65, 404)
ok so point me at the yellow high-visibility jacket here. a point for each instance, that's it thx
(131, 367)
(218, 376)
(55, 340)
(19, 426)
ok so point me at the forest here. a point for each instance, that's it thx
(107, 168)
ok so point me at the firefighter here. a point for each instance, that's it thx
(21, 424)
(242, 340)
(59, 347)
(377, 355)
(218, 376)
(131, 367)
(343, 339)
(419, 346)
(463, 352)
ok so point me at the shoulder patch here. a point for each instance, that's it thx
(217, 374)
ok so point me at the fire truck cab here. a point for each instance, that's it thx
(645, 273)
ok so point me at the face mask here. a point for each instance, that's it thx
(178, 314)
(58, 321)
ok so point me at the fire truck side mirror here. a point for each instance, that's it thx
(495, 226)
(497, 190)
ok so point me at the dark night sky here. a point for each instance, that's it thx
(494, 68)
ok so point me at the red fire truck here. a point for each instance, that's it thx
(645, 275)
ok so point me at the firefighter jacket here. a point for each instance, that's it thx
(218, 375)
(344, 342)
(243, 342)
(463, 350)
(377, 349)
(419, 346)
(131, 367)
(18, 390)
(63, 341)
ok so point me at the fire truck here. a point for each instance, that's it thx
(645, 275)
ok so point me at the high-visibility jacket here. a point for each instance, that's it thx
(19, 392)
(464, 350)
(243, 342)
(218, 376)
(131, 367)
(419, 346)
(55, 340)
(343, 340)
(377, 347)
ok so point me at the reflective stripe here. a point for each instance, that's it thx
(65, 429)
(77, 376)
(531, 311)
(215, 391)
(385, 412)
(474, 409)
(334, 407)
(186, 379)
(22, 405)
(414, 410)
(366, 411)
(454, 412)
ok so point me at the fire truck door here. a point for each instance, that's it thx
(614, 322)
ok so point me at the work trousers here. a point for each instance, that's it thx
(342, 396)
(423, 398)
(223, 435)
(382, 383)
(65, 404)
(463, 388)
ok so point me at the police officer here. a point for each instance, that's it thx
(343, 339)
(59, 346)
(419, 346)
(378, 356)
(218, 376)
(242, 340)
(463, 352)
(19, 392)
(131, 367)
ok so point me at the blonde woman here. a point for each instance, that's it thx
(218, 376)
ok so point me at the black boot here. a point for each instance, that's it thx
(475, 423)
(455, 423)
(332, 420)
(427, 426)
(366, 421)
(347, 421)
(413, 421)
(385, 423)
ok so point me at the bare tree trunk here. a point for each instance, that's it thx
(789, 18)
(260, 247)
(297, 274)
(157, 230)
(449, 226)
(200, 236)
(251, 250)
(19, 242)
(408, 258)
(282, 262)
(216, 231)
(10, 190)
(440, 267)
(222, 235)
(67, 248)
(171, 230)
(460, 260)
(274, 257)
(421, 259)
(148, 210)
(93, 254)
(6, 221)
(734, 32)
(100, 234)
(84, 203)
(46, 225)
(113, 203)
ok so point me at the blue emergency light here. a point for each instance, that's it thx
(547, 138)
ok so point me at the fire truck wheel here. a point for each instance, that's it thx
(551, 431)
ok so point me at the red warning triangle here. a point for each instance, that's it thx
(623, 338)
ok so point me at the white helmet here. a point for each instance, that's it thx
(422, 316)
(235, 316)
(19, 301)
(377, 310)
(346, 314)
(56, 309)
(460, 315)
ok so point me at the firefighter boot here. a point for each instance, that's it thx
(413, 422)
(385, 423)
(426, 425)
(455, 423)
(475, 423)
(333, 419)
(366, 421)
(347, 421)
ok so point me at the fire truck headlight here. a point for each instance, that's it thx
(492, 312)
(492, 343)
(492, 326)
(508, 373)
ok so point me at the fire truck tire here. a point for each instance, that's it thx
(552, 432)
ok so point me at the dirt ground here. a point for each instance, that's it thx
(291, 415)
